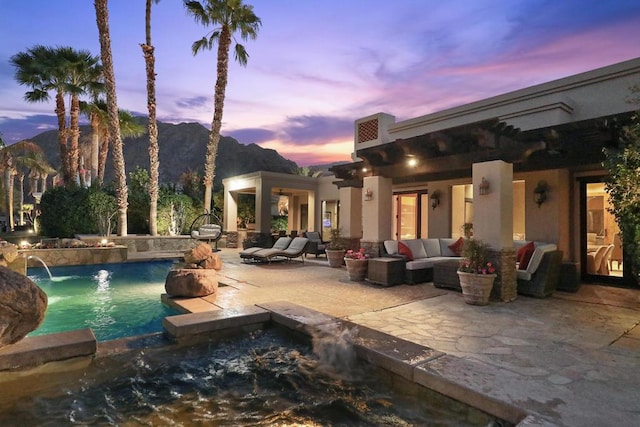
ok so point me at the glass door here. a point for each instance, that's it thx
(407, 216)
(601, 248)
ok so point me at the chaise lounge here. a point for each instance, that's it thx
(281, 244)
(296, 249)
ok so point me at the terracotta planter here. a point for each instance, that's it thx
(335, 257)
(357, 269)
(476, 288)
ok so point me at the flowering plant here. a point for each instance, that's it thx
(360, 254)
(475, 254)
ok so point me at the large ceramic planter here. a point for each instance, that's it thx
(357, 269)
(476, 288)
(335, 257)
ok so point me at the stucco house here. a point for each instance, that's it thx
(522, 165)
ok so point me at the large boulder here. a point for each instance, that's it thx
(202, 256)
(189, 282)
(22, 306)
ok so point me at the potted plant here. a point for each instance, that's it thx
(467, 229)
(335, 248)
(357, 262)
(476, 272)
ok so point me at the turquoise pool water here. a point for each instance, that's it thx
(114, 300)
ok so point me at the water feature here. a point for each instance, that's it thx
(44, 264)
(264, 378)
(115, 300)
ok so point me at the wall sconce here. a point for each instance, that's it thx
(368, 194)
(484, 187)
(435, 199)
(540, 193)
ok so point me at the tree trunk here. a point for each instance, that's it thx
(62, 132)
(152, 126)
(72, 153)
(9, 179)
(102, 18)
(216, 124)
(21, 199)
(95, 146)
(102, 157)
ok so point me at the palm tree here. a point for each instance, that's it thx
(228, 17)
(62, 70)
(152, 126)
(84, 74)
(96, 112)
(14, 159)
(102, 18)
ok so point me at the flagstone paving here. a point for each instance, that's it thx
(572, 358)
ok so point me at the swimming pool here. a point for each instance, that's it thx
(114, 300)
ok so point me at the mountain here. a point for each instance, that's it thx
(182, 147)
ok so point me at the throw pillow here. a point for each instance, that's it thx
(404, 250)
(457, 246)
(524, 254)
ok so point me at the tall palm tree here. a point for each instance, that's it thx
(152, 126)
(14, 159)
(102, 18)
(84, 74)
(62, 70)
(227, 17)
(96, 112)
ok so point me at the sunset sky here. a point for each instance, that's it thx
(318, 65)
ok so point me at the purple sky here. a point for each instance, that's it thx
(318, 65)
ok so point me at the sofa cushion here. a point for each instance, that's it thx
(523, 256)
(419, 264)
(391, 246)
(456, 247)
(405, 250)
(432, 246)
(444, 247)
(538, 253)
(417, 248)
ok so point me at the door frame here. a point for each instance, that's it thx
(595, 278)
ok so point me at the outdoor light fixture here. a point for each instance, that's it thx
(435, 199)
(540, 193)
(104, 242)
(368, 194)
(412, 162)
(484, 187)
(25, 245)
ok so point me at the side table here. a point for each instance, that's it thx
(386, 271)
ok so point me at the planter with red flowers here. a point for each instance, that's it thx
(357, 263)
(476, 273)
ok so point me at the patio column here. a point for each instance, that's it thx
(351, 215)
(230, 218)
(263, 208)
(493, 221)
(377, 209)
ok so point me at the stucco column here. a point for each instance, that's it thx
(263, 208)
(377, 199)
(351, 215)
(230, 220)
(493, 221)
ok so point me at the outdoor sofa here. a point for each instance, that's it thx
(538, 275)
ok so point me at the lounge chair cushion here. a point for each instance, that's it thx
(391, 246)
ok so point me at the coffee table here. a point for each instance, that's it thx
(385, 271)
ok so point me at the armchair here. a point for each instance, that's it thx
(316, 245)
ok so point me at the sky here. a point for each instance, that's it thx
(319, 65)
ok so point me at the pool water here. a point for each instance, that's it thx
(114, 300)
(264, 379)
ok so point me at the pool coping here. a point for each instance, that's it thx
(415, 363)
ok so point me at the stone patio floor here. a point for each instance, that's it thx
(572, 358)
